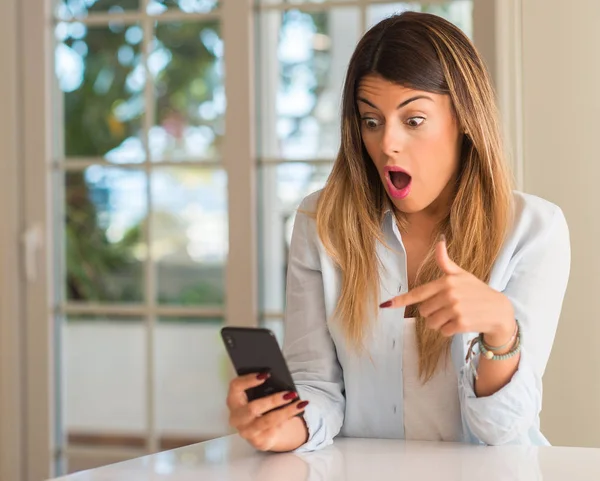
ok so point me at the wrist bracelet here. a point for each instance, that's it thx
(505, 345)
(488, 353)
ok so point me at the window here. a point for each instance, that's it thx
(142, 179)
(304, 51)
(142, 224)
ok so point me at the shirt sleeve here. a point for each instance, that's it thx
(536, 289)
(308, 347)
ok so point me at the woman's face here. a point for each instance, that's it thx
(413, 139)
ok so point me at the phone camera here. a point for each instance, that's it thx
(230, 342)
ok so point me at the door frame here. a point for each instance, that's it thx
(11, 288)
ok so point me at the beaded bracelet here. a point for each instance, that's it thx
(499, 357)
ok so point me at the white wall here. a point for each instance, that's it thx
(561, 75)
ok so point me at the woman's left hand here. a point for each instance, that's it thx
(459, 302)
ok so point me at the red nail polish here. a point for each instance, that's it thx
(289, 396)
(262, 375)
(385, 304)
(302, 405)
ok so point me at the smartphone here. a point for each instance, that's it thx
(256, 350)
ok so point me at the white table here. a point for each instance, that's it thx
(230, 458)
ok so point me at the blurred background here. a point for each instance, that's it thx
(152, 156)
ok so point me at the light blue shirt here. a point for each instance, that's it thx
(362, 395)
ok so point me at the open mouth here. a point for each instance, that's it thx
(399, 182)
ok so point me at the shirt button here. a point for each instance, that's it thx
(395, 409)
(393, 343)
(399, 288)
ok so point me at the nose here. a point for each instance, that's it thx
(391, 140)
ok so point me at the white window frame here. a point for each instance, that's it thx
(27, 306)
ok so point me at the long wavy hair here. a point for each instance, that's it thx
(422, 52)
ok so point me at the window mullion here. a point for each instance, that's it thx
(363, 15)
(241, 306)
(149, 271)
(131, 18)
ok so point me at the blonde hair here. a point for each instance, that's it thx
(423, 52)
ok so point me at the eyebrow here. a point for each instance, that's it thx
(403, 104)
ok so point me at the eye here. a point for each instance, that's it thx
(370, 123)
(415, 122)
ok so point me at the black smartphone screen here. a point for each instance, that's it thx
(255, 350)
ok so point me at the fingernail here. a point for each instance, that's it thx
(262, 375)
(289, 396)
(302, 405)
(385, 304)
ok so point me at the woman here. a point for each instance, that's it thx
(423, 293)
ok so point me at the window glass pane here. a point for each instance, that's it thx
(105, 249)
(66, 9)
(275, 324)
(282, 188)
(156, 7)
(301, 90)
(104, 370)
(187, 65)
(192, 378)
(190, 234)
(459, 12)
(100, 72)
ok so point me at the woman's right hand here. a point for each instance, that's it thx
(280, 430)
